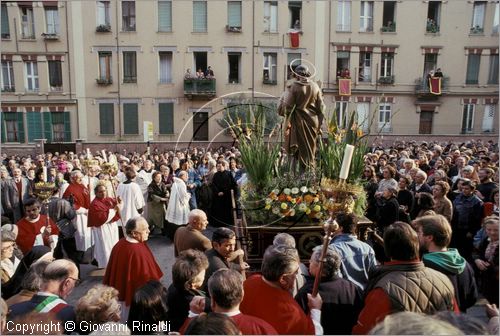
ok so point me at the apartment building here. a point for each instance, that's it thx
(123, 63)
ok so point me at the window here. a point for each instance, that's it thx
(234, 60)
(52, 20)
(55, 75)
(389, 17)
(363, 111)
(164, 16)
(433, 17)
(166, 121)
(129, 67)
(130, 118)
(32, 77)
(295, 9)
(473, 63)
(341, 113)
(365, 66)
(200, 126)
(478, 11)
(105, 66)
(128, 15)
(5, 23)
(12, 127)
(234, 15)
(7, 77)
(103, 17)
(488, 118)
(165, 67)
(200, 60)
(57, 126)
(496, 18)
(269, 70)
(106, 118)
(293, 61)
(493, 74)
(27, 22)
(344, 15)
(199, 16)
(366, 17)
(430, 63)
(468, 118)
(384, 118)
(386, 68)
(343, 58)
(271, 16)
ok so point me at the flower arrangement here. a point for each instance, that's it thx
(296, 202)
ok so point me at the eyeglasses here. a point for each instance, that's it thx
(8, 247)
(77, 281)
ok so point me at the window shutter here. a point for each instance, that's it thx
(130, 119)
(234, 13)
(166, 114)
(20, 126)
(106, 118)
(5, 21)
(493, 75)
(2, 121)
(47, 126)
(199, 16)
(34, 120)
(67, 127)
(473, 69)
(165, 16)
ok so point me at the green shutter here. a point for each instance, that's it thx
(166, 114)
(34, 120)
(20, 126)
(47, 126)
(2, 116)
(165, 16)
(5, 22)
(130, 119)
(199, 16)
(67, 127)
(234, 13)
(106, 118)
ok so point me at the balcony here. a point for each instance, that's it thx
(5, 36)
(233, 29)
(199, 88)
(386, 80)
(477, 30)
(8, 88)
(432, 27)
(104, 28)
(389, 28)
(50, 36)
(104, 81)
(422, 87)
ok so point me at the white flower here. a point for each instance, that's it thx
(276, 192)
(313, 190)
(303, 189)
(302, 207)
(295, 191)
(287, 191)
(269, 201)
(276, 210)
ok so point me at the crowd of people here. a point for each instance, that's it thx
(434, 207)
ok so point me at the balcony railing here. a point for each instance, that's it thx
(477, 30)
(104, 81)
(389, 28)
(8, 88)
(432, 27)
(103, 28)
(50, 36)
(233, 29)
(422, 85)
(199, 88)
(386, 80)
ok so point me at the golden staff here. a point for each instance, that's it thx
(109, 168)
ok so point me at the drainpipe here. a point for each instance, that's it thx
(118, 71)
(253, 51)
(69, 71)
(329, 41)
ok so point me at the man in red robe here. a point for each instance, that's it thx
(33, 229)
(131, 263)
(104, 212)
(81, 202)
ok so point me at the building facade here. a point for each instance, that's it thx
(95, 71)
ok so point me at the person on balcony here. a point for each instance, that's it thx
(200, 74)
(188, 74)
(209, 74)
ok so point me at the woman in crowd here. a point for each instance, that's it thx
(149, 306)
(442, 204)
(387, 181)
(425, 204)
(371, 186)
(405, 199)
(388, 208)
(157, 200)
(8, 261)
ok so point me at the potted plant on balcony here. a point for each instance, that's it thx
(104, 80)
(103, 28)
(386, 80)
(50, 36)
(476, 29)
(389, 27)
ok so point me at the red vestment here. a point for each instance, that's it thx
(29, 230)
(99, 211)
(80, 194)
(130, 266)
(248, 325)
(275, 306)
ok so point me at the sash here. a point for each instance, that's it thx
(51, 304)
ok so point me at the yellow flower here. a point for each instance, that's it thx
(359, 132)
(293, 201)
(284, 206)
(302, 207)
(267, 207)
(317, 208)
(308, 211)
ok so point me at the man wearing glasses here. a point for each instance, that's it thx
(58, 281)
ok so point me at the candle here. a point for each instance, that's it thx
(346, 162)
(104, 155)
(44, 174)
(88, 153)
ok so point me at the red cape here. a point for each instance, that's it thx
(80, 194)
(130, 266)
(28, 232)
(99, 211)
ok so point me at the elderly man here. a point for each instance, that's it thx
(131, 263)
(59, 279)
(15, 191)
(267, 296)
(191, 236)
(404, 283)
(78, 193)
(104, 214)
(36, 229)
